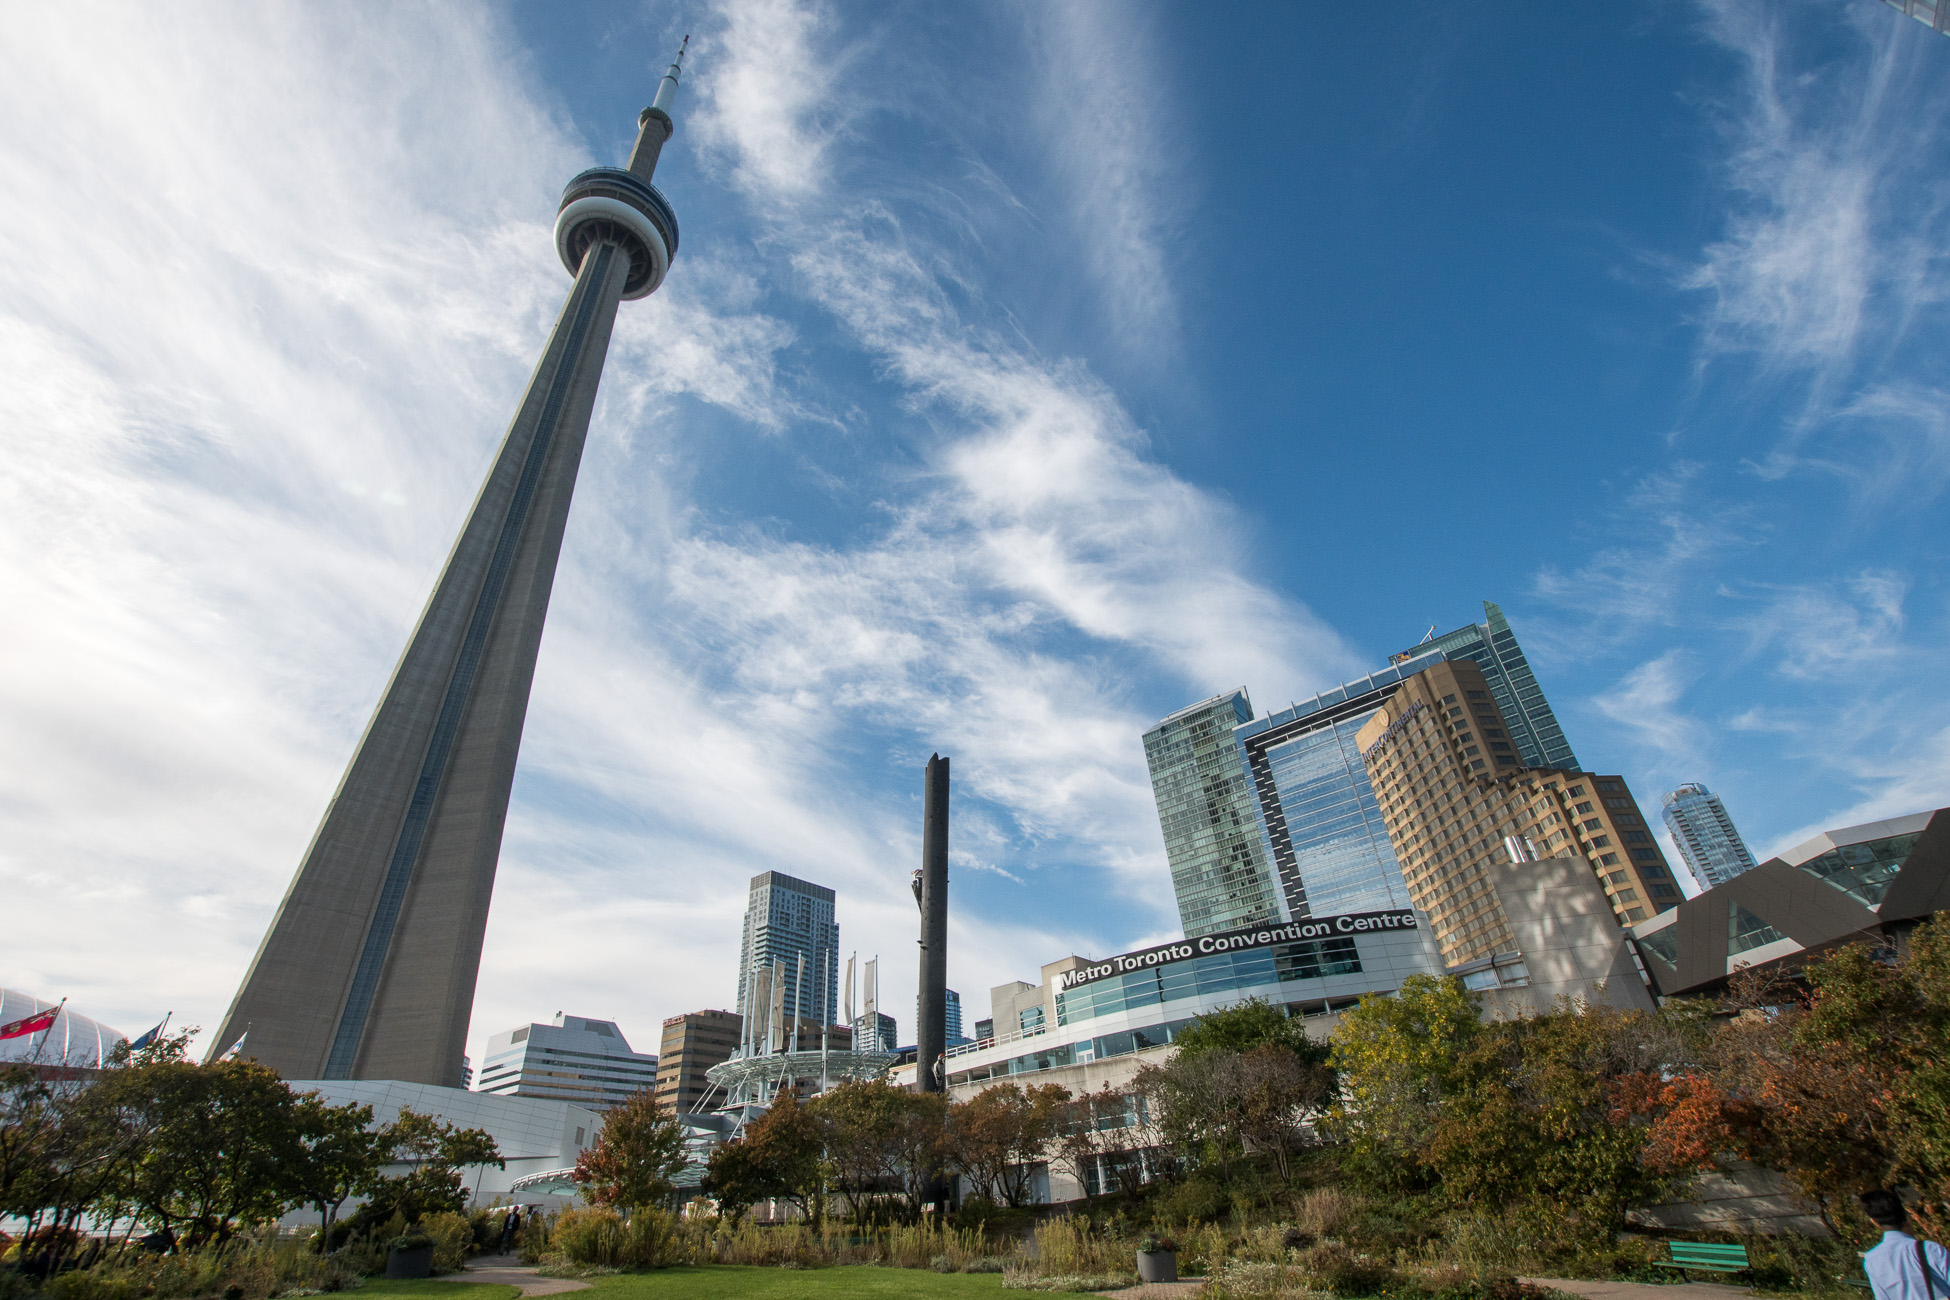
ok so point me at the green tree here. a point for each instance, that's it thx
(737, 1179)
(1246, 1025)
(639, 1151)
(216, 1144)
(437, 1152)
(1398, 1058)
(789, 1144)
(996, 1137)
(338, 1154)
(881, 1141)
(1283, 1098)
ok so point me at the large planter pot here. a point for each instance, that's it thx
(1157, 1265)
(416, 1261)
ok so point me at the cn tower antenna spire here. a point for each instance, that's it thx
(654, 125)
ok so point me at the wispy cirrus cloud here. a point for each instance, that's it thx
(1829, 270)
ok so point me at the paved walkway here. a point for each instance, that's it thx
(1159, 1290)
(1643, 1290)
(510, 1271)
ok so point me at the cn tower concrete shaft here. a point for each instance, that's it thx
(369, 966)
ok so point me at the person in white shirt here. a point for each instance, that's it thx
(1901, 1267)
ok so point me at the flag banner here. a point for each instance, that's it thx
(149, 1037)
(30, 1024)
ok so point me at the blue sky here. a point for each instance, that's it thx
(1027, 372)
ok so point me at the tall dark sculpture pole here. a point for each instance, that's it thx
(930, 1074)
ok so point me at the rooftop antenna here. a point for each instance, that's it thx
(654, 124)
(1430, 637)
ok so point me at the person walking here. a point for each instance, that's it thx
(511, 1228)
(1901, 1267)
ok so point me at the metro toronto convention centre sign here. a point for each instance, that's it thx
(1206, 945)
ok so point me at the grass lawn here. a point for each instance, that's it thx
(733, 1280)
(433, 1289)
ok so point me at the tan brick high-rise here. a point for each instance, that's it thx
(1452, 791)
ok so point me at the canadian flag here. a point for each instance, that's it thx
(30, 1024)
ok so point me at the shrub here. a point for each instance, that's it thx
(1340, 1270)
(591, 1237)
(452, 1237)
(1198, 1198)
(1247, 1280)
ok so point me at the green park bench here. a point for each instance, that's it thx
(1706, 1257)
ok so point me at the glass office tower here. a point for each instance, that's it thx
(1323, 830)
(1705, 835)
(1493, 647)
(1219, 867)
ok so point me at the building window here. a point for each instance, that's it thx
(1645, 855)
(1601, 841)
(1584, 807)
(1574, 792)
(1608, 860)
(1610, 787)
(1448, 699)
(1594, 824)
(1504, 760)
(1634, 916)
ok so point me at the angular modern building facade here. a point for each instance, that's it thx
(368, 968)
(1713, 849)
(1492, 647)
(572, 1058)
(1871, 883)
(1219, 866)
(789, 957)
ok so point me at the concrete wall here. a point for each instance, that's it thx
(1564, 926)
(535, 1135)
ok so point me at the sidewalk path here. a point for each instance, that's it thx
(1642, 1290)
(510, 1271)
(1159, 1290)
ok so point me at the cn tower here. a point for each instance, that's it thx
(369, 965)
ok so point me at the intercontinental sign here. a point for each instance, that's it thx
(1206, 945)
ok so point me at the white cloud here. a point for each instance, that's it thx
(1645, 702)
(1103, 111)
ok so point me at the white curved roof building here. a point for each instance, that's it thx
(73, 1039)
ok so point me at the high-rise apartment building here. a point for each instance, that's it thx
(1492, 647)
(691, 1045)
(576, 1059)
(1219, 866)
(1456, 805)
(789, 959)
(881, 1031)
(1713, 849)
(955, 1036)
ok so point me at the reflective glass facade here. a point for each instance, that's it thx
(1323, 829)
(1224, 972)
(1863, 871)
(1745, 931)
(1219, 867)
(1493, 647)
